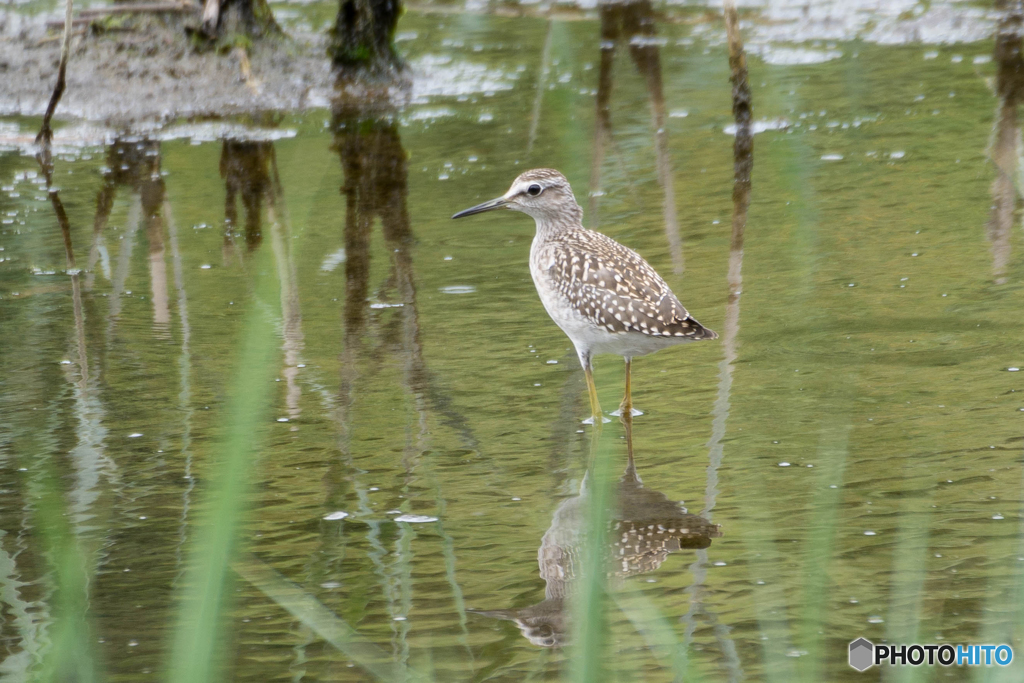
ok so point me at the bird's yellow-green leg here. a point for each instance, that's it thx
(595, 406)
(626, 407)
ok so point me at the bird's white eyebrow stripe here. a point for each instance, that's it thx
(518, 188)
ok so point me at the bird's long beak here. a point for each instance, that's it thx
(480, 208)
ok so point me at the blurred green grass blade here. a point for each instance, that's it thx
(665, 645)
(199, 631)
(833, 451)
(910, 569)
(589, 623)
(70, 655)
(324, 623)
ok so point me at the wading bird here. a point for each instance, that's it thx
(605, 296)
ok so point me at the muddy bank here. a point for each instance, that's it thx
(145, 69)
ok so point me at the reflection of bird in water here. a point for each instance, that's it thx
(606, 297)
(644, 529)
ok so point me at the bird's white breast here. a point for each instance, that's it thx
(585, 335)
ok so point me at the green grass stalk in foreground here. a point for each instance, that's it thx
(589, 622)
(833, 451)
(659, 634)
(71, 655)
(199, 629)
(324, 623)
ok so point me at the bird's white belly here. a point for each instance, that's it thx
(587, 336)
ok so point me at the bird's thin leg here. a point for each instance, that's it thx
(595, 406)
(626, 407)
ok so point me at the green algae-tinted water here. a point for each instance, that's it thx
(856, 433)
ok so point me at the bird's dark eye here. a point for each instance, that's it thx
(534, 190)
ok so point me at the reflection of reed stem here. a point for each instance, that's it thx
(613, 18)
(542, 79)
(88, 456)
(743, 161)
(28, 619)
(639, 26)
(664, 165)
(98, 250)
(185, 383)
(124, 262)
(284, 255)
(73, 559)
(602, 120)
(76, 289)
(158, 270)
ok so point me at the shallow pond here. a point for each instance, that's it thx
(856, 431)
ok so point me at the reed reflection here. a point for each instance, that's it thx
(245, 166)
(1006, 137)
(374, 162)
(73, 523)
(375, 188)
(743, 166)
(251, 178)
(89, 456)
(646, 526)
(633, 24)
(381, 327)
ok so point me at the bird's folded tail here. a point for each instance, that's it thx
(691, 329)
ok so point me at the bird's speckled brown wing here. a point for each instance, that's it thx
(612, 286)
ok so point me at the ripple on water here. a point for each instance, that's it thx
(415, 519)
(442, 76)
(333, 260)
(759, 126)
(792, 56)
(423, 425)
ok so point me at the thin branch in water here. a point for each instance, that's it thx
(45, 132)
(741, 97)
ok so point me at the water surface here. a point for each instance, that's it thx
(856, 434)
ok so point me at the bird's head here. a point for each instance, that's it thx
(541, 192)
